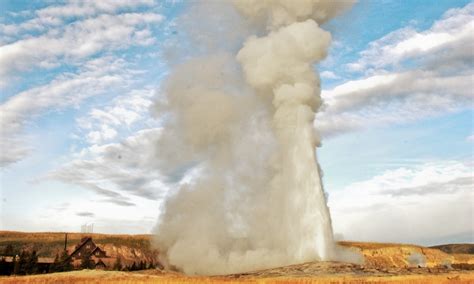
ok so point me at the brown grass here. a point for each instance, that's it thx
(88, 276)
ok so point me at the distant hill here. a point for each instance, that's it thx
(456, 248)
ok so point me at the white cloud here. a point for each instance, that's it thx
(96, 76)
(103, 124)
(118, 170)
(328, 75)
(76, 41)
(104, 134)
(470, 138)
(393, 98)
(55, 15)
(425, 204)
(82, 8)
(440, 82)
(454, 32)
(35, 24)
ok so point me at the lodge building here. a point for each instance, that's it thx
(88, 247)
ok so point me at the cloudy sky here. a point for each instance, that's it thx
(78, 140)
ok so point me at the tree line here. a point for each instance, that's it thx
(142, 265)
(26, 263)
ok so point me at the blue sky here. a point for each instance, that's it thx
(77, 81)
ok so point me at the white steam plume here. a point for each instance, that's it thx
(252, 197)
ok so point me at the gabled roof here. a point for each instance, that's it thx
(83, 241)
(81, 244)
(97, 248)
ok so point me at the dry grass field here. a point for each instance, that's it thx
(306, 273)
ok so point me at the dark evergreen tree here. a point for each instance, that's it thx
(56, 265)
(118, 264)
(16, 265)
(31, 263)
(8, 251)
(133, 267)
(151, 265)
(23, 262)
(65, 262)
(4, 266)
(87, 262)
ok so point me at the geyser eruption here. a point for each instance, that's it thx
(280, 65)
(252, 195)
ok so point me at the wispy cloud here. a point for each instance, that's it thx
(453, 33)
(75, 8)
(118, 169)
(85, 214)
(76, 41)
(83, 37)
(95, 77)
(401, 205)
(103, 124)
(328, 75)
(392, 99)
(55, 15)
(61, 207)
(439, 82)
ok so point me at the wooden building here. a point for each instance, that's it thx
(100, 264)
(88, 247)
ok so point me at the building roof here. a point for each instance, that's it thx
(83, 241)
(100, 263)
(81, 244)
(97, 248)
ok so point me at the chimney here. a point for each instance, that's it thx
(65, 241)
